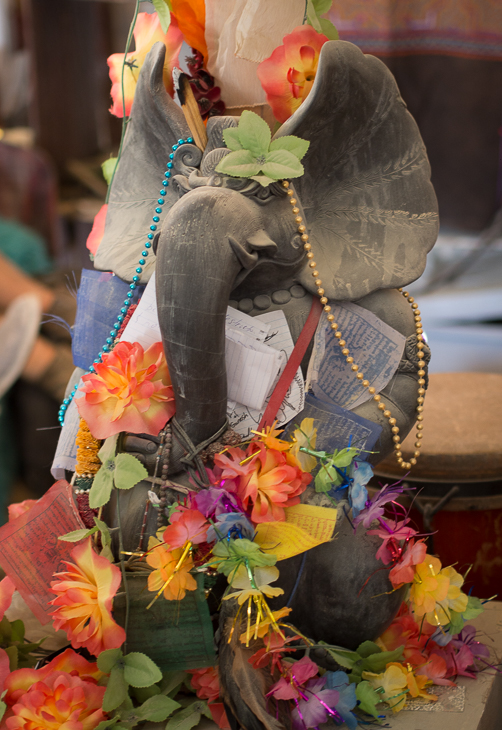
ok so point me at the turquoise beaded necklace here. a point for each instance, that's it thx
(110, 340)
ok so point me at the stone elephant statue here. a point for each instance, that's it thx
(371, 216)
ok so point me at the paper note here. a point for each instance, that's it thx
(243, 419)
(99, 300)
(143, 327)
(375, 347)
(305, 527)
(30, 552)
(252, 368)
(252, 326)
(66, 450)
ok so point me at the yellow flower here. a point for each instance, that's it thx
(264, 626)
(455, 600)
(306, 436)
(394, 684)
(170, 576)
(430, 587)
(262, 578)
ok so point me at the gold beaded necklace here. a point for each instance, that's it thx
(346, 353)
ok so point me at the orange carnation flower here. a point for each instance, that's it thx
(130, 391)
(59, 702)
(84, 601)
(170, 576)
(287, 76)
(147, 31)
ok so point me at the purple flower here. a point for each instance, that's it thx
(374, 508)
(315, 705)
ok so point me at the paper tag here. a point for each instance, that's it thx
(30, 552)
(306, 526)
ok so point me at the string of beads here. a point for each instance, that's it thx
(302, 230)
(113, 336)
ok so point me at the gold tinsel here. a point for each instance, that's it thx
(88, 462)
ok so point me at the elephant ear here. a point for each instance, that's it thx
(370, 207)
(155, 125)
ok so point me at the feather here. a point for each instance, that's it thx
(244, 687)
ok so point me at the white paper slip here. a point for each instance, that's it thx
(143, 327)
(375, 347)
(252, 368)
(244, 419)
(66, 451)
(251, 326)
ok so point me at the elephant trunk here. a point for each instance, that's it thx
(198, 260)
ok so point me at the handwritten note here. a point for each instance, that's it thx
(306, 526)
(244, 419)
(30, 552)
(375, 347)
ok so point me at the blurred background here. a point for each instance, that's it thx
(55, 131)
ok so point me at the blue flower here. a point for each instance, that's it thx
(360, 473)
(234, 523)
(348, 700)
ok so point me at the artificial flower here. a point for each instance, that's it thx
(214, 501)
(60, 701)
(304, 436)
(404, 631)
(360, 472)
(187, 525)
(429, 587)
(147, 32)
(287, 76)
(455, 600)
(392, 684)
(231, 554)
(130, 391)
(206, 683)
(435, 669)
(98, 230)
(84, 601)
(315, 705)
(217, 710)
(266, 485)
(234, 524)
(264, 627)
(404, 570)
(191, 17)
(7, 590)
(269, 437)
(4, 668)
(374, 508)
(347, 696)
(19, 508)
(171, 575)
(68, 662)
(414, 683)
(297, 674)
(390, 534)
(262, 577)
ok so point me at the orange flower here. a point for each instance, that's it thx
(98, 229)
(84, 601)
(147, 31)
(167, 567)
(187, 525)
(429, 587)
(287, 76)
(130, 391)
(59, 702)
(267, 481)
(69, 662)
(191, 17)
(269, 437)
(206, 683)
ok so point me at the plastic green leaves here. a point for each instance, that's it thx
(122, 471)
(254, 155)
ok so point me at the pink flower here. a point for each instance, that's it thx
(399, 531)
(404, 571)
(60, 701)
(187, 525)
(130, 391)
(7, 589)
(84, 601)
(147, 32)
(98, 229)
(287, 688)
(287, 76)
(206, 683)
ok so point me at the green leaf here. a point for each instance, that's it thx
(325, 478)
(297, 146)
(474, 608)
(107, 723)
(344, 658)
(108, 659)
(108, 449)
(312, 18)
(108, 168)
(3, 707)
(162, 10)
(344, 457)
(281, 164)
(186, 719)
(321, 6)
(456, 622)
(367, 648)
(140, 671)
(128, 469)
(13, 655)
(77, 535)
(238, 164)
(5, 630)
(17, 628)
(116, 689)
(101, 490)
(263, 180)
(157, 709)
(377, 662)
(232, 553)
(254, 133)
(368, 698)
(142, 694)
(231, 138)
(328, 29)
